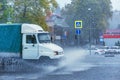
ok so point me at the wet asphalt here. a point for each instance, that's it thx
(78, 65)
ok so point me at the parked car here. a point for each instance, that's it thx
(114, 50)
(109, 54)
(101, 50)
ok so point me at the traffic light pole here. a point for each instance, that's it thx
(78, 40)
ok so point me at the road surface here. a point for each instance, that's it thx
(79, 65)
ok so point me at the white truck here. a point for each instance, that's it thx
(28, 41)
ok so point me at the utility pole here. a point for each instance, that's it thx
(89, 9)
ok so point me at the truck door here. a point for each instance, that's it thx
(30, 47)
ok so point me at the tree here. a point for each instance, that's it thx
(34, 11)
(2, 9)
(30, 11)
(93, 13)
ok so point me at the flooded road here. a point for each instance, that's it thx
(73, 56)
(78, 65)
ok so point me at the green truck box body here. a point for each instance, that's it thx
(10, 38)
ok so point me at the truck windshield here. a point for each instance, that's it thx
(44, 38)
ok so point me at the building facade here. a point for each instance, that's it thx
(111, 37)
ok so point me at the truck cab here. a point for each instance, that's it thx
(36, 43)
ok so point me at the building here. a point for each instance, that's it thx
(111, 37)
(57, 26)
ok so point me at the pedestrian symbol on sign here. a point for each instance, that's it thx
(78, 24)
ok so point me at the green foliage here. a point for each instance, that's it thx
(0, 5)
(1, 11)
(29, 11)
(94, 14)
(34, 11)
(7, 12)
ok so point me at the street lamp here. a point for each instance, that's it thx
(89, 9)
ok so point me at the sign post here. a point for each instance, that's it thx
(78, 26)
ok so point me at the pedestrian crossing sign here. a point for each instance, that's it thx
(78, 24)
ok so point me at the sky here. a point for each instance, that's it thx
(62, 3)
(115, 3)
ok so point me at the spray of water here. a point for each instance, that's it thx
(73, 62)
